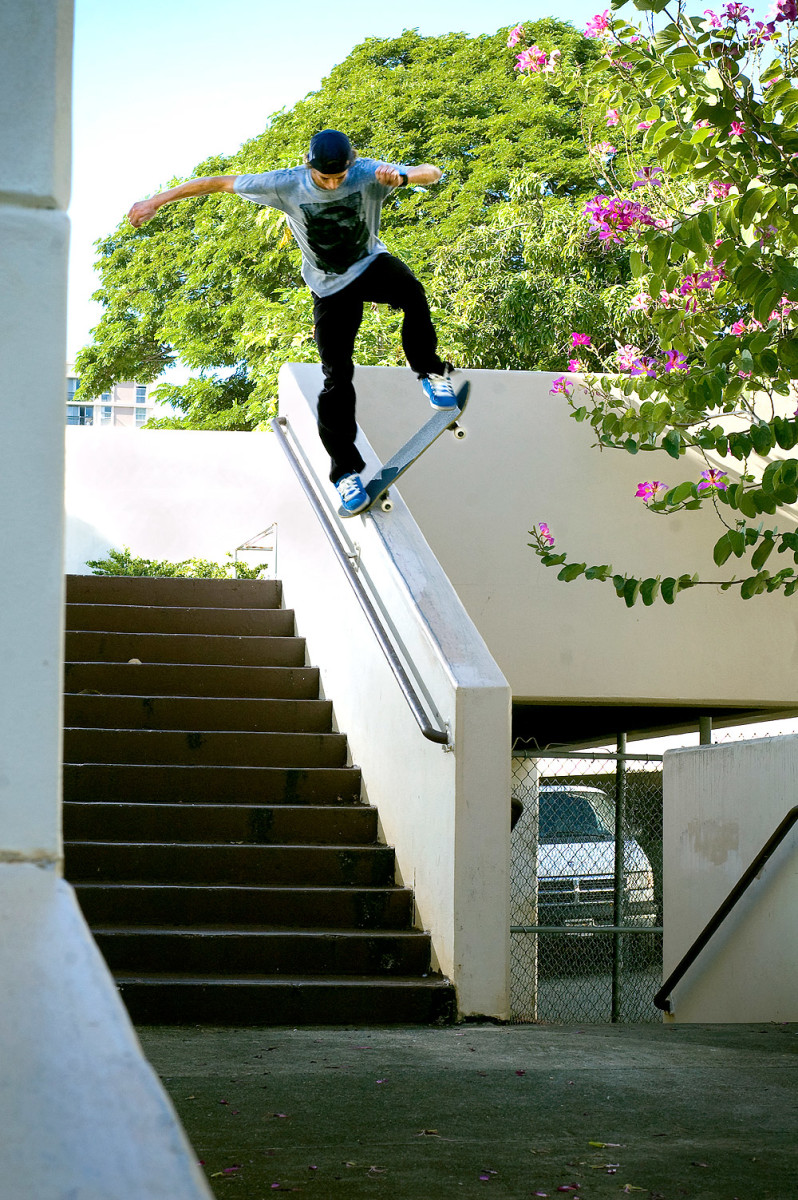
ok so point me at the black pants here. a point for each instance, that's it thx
(386, 281)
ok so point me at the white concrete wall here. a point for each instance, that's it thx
(82, 1113)
(166, 494)
(447, 813)
(722, 803)
(525, 461)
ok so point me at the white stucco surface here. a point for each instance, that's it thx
(525, 461)
(721, 805)
(82, 1115)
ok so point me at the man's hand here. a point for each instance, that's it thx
(389, 176)
(392, 176)
(141, 212)
(145, 210)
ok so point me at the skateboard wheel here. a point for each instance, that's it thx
(459, 432)
(386, 504)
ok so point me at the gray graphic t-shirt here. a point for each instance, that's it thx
(337, 231)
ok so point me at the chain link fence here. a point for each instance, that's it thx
(586, 892)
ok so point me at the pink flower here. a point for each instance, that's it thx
(784, 10)
(575, 364)
(543, 534)
(714, 21)
(553, 63)
(561, 386)
(713, 480)
(613, 117)
(641, 302)
(737, 128)
(533, 59)
(598, 24)
(647, 177)
(736, 12)
(515, 36)
(649, 492)
(612, 217)
(738, 328)
(675, 361)
(580, 339)
(644, 125)
(718, 190)
(605, 148)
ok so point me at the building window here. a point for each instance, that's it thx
(106, 414)
(141, 416)
(80, 414)
(72, 386)
(106, 397)
(141, 394)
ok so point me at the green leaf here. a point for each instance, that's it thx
(762, 438)
(571, 572)
(672, 443)
(631, 591)
(762, 553)
(746, 504)
(668, 590)
(722, 550)
(649, 590)
(681, 492)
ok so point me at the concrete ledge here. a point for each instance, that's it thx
(35, 102)
(83, 1114)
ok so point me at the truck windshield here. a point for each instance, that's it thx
(568, 816)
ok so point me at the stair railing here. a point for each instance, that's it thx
(430, 731)
(662, 998)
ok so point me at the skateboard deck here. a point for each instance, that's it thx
(377, 487)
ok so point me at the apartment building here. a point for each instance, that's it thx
(127, 404)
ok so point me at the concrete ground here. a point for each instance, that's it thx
(706, 1112)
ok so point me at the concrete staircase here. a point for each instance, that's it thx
(214, 830)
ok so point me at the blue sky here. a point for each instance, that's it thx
(161, 84)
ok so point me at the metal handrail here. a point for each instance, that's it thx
(662, 998)
(440, 736)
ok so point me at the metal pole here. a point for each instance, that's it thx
(705, 731)
(617, 905)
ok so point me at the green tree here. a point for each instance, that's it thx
(704, 110)
(216, 281)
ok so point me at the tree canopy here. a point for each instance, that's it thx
(500, 243)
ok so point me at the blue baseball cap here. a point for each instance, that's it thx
(330, 152)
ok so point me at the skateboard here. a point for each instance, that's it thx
(377, 487)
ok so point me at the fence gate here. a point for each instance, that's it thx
(586, 890)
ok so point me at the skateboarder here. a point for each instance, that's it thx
(333, 205)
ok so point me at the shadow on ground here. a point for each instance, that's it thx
(706, 1112)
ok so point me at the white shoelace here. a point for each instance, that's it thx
(348, 487)
(440, 385)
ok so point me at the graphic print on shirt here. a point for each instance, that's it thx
(337, 233)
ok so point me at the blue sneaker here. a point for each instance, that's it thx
(354, 496)
(439, 391)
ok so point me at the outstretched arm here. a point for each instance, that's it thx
(415, 175)
(144, 210)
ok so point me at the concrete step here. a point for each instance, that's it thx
(134, 618)
(164, 783)
(102, 821)
(237, 951)
(209, 748)
(185, 648)
(192, 679)
(300, 1000)
(197, 906)
(210, 593)
(222, 863)
(197, 713)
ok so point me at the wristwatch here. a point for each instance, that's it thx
(402, 179)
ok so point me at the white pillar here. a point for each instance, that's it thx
(81, 1110)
